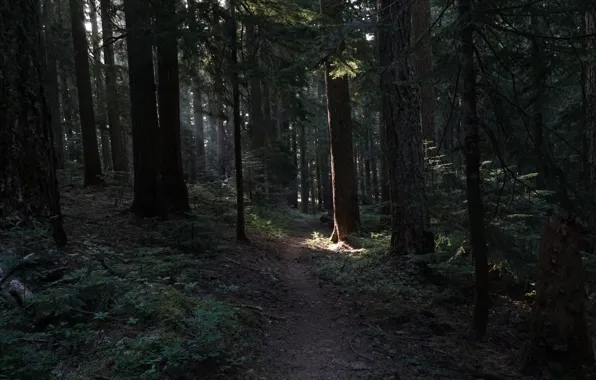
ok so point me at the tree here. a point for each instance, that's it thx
(53, 89)
(172, 174)
(240, 231)
(402, 130)
(100, 103)
(117, 135)
(472, 155)
(28, 183)
(346, 214)
(149, 198)
(92, 163)
(199, 126)
(423, 65)
(559, 329)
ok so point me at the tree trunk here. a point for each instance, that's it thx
(590, 85)
(117, 133)
(199, 127)
(149, 198)
(100, 96)
(28, 183)
(257, 127)
(304, 185)
(401, 118)
(385, 210)
(539, 73)
(92, 163)
(53, 89)
(372, 151)
(367, 167)
(339, 118)
(472, 154)
(240, 229)
(172, 174)
(293, 202)
(559, 331)
(423, 66)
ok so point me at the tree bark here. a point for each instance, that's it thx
(590, 85)
(423, 66)
(559, 331)
(199, 126)
(385, 210)
(92, 163)
(53, 89)
(472, 154)
(304, 185)
(401, 118)
(100, 96)
(240, 223)
(172, 174)
(149, 198)
(117, 133)
(339, 119)
(28, 183)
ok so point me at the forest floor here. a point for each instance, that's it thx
(148, 299)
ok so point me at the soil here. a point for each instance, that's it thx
(316, 334)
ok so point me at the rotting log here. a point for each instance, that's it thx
(559, 332)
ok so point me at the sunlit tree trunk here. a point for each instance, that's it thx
(343, 176)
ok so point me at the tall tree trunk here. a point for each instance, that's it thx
(199, 126)
(117, 133)
(100, 96)
(372, 151)
(240, 228)
(423, 66)
(149, 200)
(28, 183)
(172, 174)
(92, 163)
(304, 185)
(539, 73)
(258, 128)
(401, 118)
(590, 85)
(385, 210)
(367, 166)
(294, 186)
(339, 117)
(53, 89)
(559, 328)
(472, 154)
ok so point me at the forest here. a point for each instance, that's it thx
(297, 189)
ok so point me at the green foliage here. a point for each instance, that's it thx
(144, 311)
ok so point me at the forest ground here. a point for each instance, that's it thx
(146, 299)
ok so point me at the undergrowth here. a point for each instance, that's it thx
(145, 308)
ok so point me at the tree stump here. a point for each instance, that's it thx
(559, 334)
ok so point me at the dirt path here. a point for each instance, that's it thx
(317, 336)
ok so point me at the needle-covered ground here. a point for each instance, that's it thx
(180, 299)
